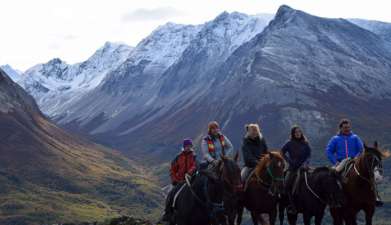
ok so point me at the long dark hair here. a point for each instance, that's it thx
(292, 137)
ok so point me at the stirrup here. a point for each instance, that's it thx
(379, 203)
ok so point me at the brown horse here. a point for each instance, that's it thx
(264, 188)
(230, 176)
(359, 187)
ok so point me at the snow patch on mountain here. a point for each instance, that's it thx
(14, 74)
(55, 83)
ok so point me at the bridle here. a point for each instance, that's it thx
(274, 179)
(371, 169)
(233, 188)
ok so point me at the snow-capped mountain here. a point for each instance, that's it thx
(14, 74)
(380, 28)
(299, 69)
(133, 88)
(54, 84)
(296, 68)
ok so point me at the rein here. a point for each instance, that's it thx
(216, 207)
(311, 190)
(370, 171)
(268, 186)
(274, 178)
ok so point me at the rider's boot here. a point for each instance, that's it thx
(379, 202)
(291, 207)
(165, 219)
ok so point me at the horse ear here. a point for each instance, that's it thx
(375, 144)
(385, 154)
(236, 157)
(365, 145)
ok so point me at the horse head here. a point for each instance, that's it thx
(230, 173)
(373, 157)
(270, 170)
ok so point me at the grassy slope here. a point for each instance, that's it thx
(50, 176)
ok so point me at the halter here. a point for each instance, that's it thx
(370, 170)
(226, 181)
(274, 179)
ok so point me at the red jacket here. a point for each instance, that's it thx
(184, 162)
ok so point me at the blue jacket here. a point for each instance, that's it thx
(342, 146)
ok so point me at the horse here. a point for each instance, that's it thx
(359, 187)
(316, 190)
(230, 175)
(201, 200)
(263, 188)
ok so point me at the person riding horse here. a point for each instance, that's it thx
(184, 163)
(297, 153)
(213, 145)
(253, 147)
(345, 146)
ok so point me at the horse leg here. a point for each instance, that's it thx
(369, 211)
(319, 218)
(239, 215)
(292, 218)
(231, 218)
(307, 218)
(281, 211)
(273, 216)
(255, 217)
(336, 215)
(351, 217)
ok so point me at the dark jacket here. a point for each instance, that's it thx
(296, 153)
(252, 150)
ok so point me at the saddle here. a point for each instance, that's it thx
(299, 176)
(188, 181)
(344, 167)
(247, 173)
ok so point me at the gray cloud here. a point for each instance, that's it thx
(151, 14)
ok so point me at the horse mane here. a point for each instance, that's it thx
(264, 160)
(377, 152)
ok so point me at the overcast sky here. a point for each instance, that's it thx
(34, 31)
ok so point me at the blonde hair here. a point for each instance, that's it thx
(253, 126)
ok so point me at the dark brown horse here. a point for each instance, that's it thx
(316, 189)
(359, 187)
(230, 176)
(264, 188)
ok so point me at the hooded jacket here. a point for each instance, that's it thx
(184, 162)
(343, 146)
